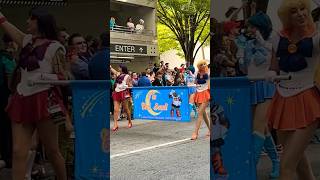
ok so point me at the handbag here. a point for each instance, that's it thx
(56, 114)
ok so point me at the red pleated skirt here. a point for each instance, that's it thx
(34, 108)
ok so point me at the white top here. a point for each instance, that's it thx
(301, 80)
(139, 28)
(130, 26)
(123, 85)
(44, 72)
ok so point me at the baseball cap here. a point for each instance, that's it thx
(229, 25)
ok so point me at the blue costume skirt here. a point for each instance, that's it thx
(192, 90)
(260, 91)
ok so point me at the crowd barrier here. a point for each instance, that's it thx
(91, 116)
(169, 103)
(233, 131)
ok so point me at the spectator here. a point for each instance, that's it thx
(7, 66)
(144, 80)
(151, 76)
(63, 36)
(148, 70)
(80, 57)
(130, 24)
(93, 44)
(166, 66)
(112, 22)
(182, 68)
(135, 79)
(161, 64)
(158, 80)
(140, 26)
(98, 65)
(169, 78)
(155, 67)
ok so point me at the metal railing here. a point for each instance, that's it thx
(124, 29)
(67, 82)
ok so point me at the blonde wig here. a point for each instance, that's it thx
(202, 66)
(284, 13)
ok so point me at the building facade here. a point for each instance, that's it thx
(77, 16)
(138, 50)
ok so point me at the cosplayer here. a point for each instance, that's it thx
(121, 95)
(176, 103)
(257, 58)
(230, 49)
(294, 110)
(202, 96)
(42, 57)
(190, 79)
(220, 126)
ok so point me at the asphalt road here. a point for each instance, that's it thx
(159, 150)
(163, 151)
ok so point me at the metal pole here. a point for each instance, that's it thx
(65, 82)
(277, 78)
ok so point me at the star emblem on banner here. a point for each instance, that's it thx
(94, 169)
(230, 101)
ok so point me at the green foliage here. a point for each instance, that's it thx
(188, 21)
(166, 39)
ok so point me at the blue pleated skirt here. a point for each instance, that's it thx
(192, 90)
(260, 91)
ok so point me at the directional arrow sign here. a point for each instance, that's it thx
(128, 48)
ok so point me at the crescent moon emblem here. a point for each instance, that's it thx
(148, 104)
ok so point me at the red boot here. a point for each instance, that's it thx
(172, 112)
(218, 164)
(178, 112)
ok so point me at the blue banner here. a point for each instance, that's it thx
(231, 139)
(91, 119)
(161, 103)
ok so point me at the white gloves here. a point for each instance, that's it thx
(270, 76)
(263, 42)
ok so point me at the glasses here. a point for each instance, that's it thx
(82, 42)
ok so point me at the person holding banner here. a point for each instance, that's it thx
(258, 51)
(202, 96)
(294, 110)
(121, 95)
(31, 108)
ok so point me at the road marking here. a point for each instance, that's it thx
(149, 148)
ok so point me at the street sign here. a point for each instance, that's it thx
(161, 103)
(128, 48)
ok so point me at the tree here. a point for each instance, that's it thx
(166, 39)
(189, 20)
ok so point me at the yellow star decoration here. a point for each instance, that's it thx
(94, 169)
(230, 100)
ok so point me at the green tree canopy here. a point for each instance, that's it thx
(188, 22)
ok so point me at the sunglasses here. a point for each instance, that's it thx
(80, 43)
